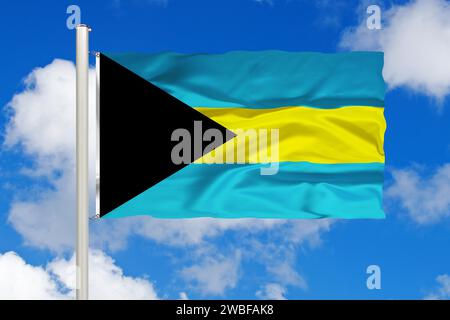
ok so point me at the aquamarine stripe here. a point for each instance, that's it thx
(265, 79)
(298, 190)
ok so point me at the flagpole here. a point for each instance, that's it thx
(82, 207)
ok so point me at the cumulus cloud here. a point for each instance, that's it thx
(425, 198)
(272, 291)
(45, 106)
(42, 125)
(443, 290)
(20, 280)
(214, 275)
(416, 40)
(106, 281)
(47, 222)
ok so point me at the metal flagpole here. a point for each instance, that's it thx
(82, 207)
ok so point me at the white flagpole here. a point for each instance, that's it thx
(82, 207)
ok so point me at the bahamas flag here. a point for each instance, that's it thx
(266, 134)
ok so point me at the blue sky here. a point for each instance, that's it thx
(242, 259)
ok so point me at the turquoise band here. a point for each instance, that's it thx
(266, 79)
(298, 190)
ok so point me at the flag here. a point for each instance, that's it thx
(266, 134)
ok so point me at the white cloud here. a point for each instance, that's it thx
(272, 291)
(426, 199)
(42, 125)
(279, 254)
(416, 40)
(47, 222)
(309, 231)
(106, 281)
(19, 280)
(443, 291)
(187, 232)
(46, 106)
(214, 275)
(285, 273)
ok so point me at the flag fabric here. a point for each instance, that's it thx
(271, 134)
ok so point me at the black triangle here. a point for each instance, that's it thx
(136, 123)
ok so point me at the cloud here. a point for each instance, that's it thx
(106, 281)
(308, 231)
(46, 222)
(416, 40)
(177, 233)
(42, 126)
(272, 291)
(443, 291)
(19, 280)
(279, 253)
(285, 273)
(213, 276)
(425, 198)
(214, 272)
(46, 106)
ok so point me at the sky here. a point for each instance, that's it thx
(145, 258)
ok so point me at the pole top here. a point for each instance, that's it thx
(82, 25)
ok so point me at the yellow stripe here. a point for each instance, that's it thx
(353, 134)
